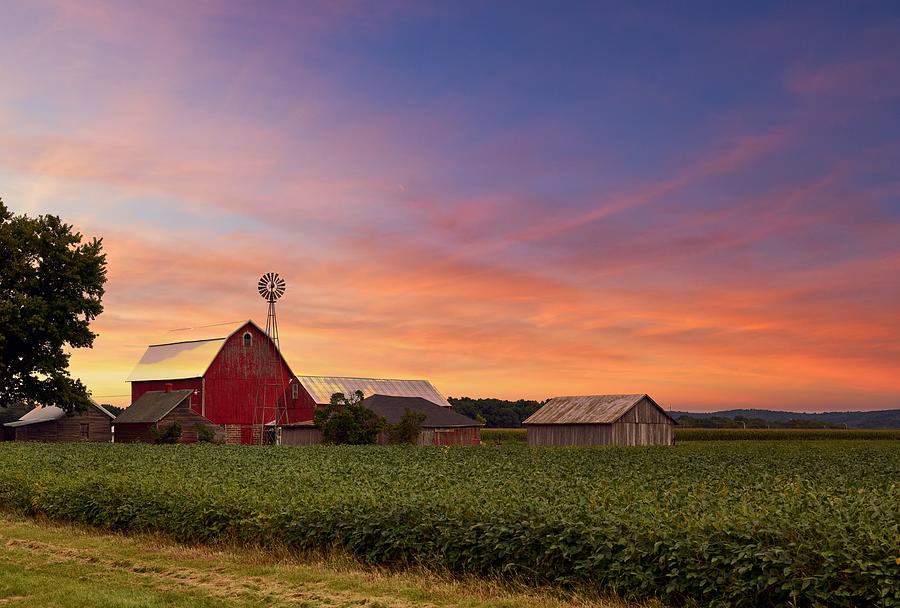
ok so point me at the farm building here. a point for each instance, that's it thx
(301, 433)
(321, 388)
(442, 426)
(235, 376)
(50, 423)
(238, 380)
(601, 420)
(153, 412)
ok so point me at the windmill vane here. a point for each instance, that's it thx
(271, 286)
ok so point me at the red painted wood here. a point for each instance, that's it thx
(239, 381)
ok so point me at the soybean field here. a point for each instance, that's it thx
(702, 523)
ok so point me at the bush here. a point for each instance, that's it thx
(345, 421)
(408, 429)
(168, 434)
(206, 434)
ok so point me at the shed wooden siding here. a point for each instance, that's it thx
(302, 435)
(450, 436)
(68, 428)
(620, 433)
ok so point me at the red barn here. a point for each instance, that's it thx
(236, 374)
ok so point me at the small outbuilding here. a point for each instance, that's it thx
(442, 426)
(154, 411)
(601, 420)
(50, 423)
(301, 433)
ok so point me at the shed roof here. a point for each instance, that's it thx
(321, 388)
(152, 406)
(588, 409)
(49, 413)
(185, 353)
(436, 416)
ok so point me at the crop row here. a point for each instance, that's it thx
(736, 524)
(512, 436)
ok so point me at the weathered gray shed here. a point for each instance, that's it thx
(50, 423)
(601, 420)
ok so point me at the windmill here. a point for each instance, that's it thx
(271, 402)
(271, 288)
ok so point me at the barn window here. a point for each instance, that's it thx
(85, 431)
(248, 339)
(295, 391)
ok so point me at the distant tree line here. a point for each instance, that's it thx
(741, 422)
(112, 409)
(496, 413)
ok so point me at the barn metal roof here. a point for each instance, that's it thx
(48, 413)
(586, 409)
(184, 353)
(152, 406)
(393, 408)
(321, 388)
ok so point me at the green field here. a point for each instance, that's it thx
(727, 523)
(511, 436)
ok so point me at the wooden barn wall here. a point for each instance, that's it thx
(234, 384)
(450, 436)
(301, 436)
(620, 433)
(188, 419)
(639, 433)
(133, 433)
(68, 428)
(569, 434)
(442, 436)
(645, 411)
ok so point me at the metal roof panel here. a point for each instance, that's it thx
(321, 388)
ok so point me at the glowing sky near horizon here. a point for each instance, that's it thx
(699, 202)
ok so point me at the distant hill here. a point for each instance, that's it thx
(880, 419)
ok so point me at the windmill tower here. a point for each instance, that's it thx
(270, 411)
(271, 288)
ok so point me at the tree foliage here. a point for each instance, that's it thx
(344, 420)
(407, 429)
(496, 413)
(169, 433)
(51, 286)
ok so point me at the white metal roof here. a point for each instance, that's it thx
(184, 353)
(176, 361)
(47, 413)
(321, 388)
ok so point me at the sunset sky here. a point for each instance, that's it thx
(511, 199)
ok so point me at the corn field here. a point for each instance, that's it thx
(712, 523)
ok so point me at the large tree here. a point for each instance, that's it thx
(51, 285)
